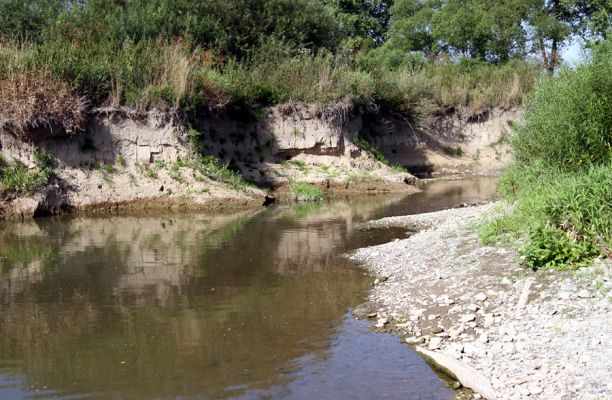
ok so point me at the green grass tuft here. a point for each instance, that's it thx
(306, 192)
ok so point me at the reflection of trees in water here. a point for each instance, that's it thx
(110, 256)
(249, 337)
(127, 304)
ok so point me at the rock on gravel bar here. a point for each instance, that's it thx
(544, 334)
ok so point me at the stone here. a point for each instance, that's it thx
(468, 318)
(480, 297)
(509, 348)
(415, 340)
(382, 322)
(535, 389)
(470, 349)
(437, 329)
(434, 343)
(466, 374)
(584, 294)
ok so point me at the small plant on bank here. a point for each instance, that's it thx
(16, 178)
(301, 166)
(306, 192)
(363, 144)
(122, 161)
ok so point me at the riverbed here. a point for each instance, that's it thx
(250, 305)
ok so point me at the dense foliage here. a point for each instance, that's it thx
(192, 53)
(561, 182)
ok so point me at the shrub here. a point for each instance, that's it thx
(561, 181)
(550, 247)
(568, 121)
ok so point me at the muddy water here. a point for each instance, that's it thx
(251, 305)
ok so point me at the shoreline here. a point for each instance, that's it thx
(542, 334)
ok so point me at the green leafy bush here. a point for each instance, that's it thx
(551, 247)
(561, 182)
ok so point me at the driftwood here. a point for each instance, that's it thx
(468, 376)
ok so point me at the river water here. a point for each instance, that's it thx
(253, 305)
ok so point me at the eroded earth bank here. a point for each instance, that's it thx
(232, 159)
(503, 330)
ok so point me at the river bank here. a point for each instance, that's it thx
(543, 334)
(125, 159)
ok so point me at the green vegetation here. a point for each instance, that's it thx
(364, 144)
(415, 57)
(15, 177)
(561, 182)
(306, 192)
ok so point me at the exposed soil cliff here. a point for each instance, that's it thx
(154, 160)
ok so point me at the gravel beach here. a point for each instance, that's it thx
(542, 334)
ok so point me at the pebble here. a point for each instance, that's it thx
(481, 297)
(435, 343)
(381, 322)
(556, 348)
(468, 318)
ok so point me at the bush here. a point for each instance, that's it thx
(568, 121)
(550, 247)
(306, 192)
(561, 181)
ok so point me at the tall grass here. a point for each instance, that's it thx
(561, 181)
(31, 99)
(440, 87)
(176, 74)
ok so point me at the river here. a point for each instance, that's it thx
(252, 305)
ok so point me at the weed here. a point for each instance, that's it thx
(306, 192)
(16, 178)
(132, 180)
(122, 161)
(300, 165)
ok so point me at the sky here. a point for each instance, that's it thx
(573, 53)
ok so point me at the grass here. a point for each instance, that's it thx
(306, 192)
(364, 144)
(15, 177)
(560, 186)
(210, 167)
(178, 75)
(301, 165)
(561, 219)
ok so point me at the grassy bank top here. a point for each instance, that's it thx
(414, 58)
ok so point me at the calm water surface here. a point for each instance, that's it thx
(253, 305)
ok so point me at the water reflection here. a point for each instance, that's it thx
(187, 305)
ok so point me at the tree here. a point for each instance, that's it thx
(553, 22)
(26, 19)
(362, 24)
(486, 29)
(411, 25)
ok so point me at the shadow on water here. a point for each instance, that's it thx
(250, 305)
